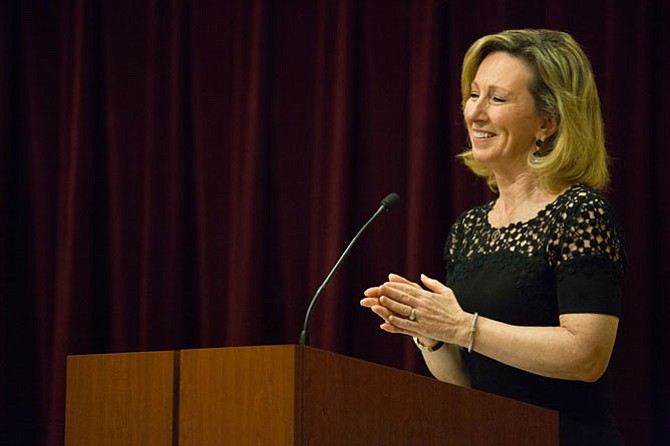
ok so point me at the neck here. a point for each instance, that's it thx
(516, 190)
(521, 198)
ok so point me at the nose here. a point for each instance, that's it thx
(475, 109)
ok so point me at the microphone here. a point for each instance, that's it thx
(387, 203)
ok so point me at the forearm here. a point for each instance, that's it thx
(562, 352)
(446, 365)
(579, 348)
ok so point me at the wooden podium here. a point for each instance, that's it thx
(282, 395)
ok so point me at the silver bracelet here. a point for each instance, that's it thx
(473, 328)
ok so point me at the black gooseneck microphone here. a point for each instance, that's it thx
(386, 205)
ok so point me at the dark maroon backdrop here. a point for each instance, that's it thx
(181, 174)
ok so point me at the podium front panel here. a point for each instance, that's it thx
(124, 399)
(244, 395)
(350, 401)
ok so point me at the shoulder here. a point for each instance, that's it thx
(585, 201)
(587, 225)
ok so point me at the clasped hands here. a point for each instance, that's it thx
(437, 315)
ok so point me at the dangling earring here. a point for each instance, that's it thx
(538, 152)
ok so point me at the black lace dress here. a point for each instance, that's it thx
(568, 259)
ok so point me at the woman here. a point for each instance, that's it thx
(532, 298)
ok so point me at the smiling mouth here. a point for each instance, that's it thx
(482, 135)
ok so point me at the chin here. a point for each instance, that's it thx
(482, 155)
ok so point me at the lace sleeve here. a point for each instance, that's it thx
(589, 258)
(589, 229)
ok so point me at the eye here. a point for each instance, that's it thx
(474, 95)
(498, 99)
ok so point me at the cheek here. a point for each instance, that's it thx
(516, 126)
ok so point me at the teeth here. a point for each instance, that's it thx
(479, 134)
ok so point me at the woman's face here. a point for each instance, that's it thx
(500, 114)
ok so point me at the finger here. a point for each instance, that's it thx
(382, 312)
(400, 279)
(400, 292)
(391, 328)
(434, 285)
(369, 302)
(372, 292)
(395, 324)
(397, 308)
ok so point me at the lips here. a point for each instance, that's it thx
(480, 134)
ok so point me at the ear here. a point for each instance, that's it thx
(549, 127)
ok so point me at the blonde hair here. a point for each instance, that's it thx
(563, 88)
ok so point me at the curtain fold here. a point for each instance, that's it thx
(184, 175)
(331, 163)
(247, 180)
(71, 308)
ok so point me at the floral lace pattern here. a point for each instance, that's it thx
(574, 233)
(578, 223)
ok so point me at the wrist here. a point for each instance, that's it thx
(426, 346)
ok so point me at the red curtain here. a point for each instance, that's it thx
(181, 174)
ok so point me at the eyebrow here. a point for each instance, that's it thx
(495, 88)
